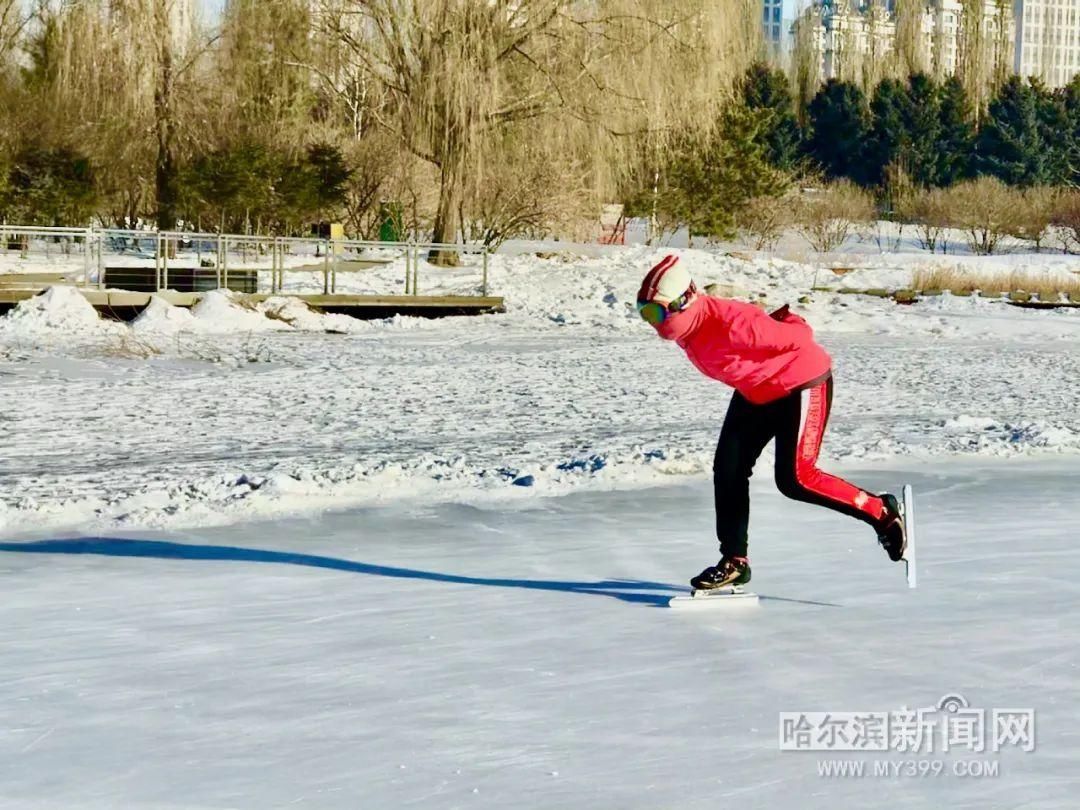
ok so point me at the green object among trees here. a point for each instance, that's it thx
(392, 219)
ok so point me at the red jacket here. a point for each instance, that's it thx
(763, 357)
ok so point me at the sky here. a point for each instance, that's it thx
(210, 8)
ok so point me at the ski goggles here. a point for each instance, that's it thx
(656, 313)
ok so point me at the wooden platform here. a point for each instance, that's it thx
(126, 305)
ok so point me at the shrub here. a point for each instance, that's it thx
(763, 220)
(928, 210)
(828, 216)
(1033, 214)
(985, 209)
(1067, 219)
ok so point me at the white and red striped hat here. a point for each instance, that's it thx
(666, 280)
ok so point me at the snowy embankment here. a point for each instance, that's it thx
(233, 412)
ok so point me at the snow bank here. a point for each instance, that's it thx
(220, 311)
(297, 314)
(57, 311)
(162, 318)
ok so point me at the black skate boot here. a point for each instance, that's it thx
(729, 572)
(892, 534)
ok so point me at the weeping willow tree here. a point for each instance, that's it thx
(592, 78)
(847, 57)
(911, 55)
(806, 61)
(13, 20)
(108, 74)
(879, 60)
(973, 62)
(1002, 29)
(261, 89)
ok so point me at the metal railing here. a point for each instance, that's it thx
(213, 251)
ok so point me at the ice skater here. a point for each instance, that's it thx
(783, 390)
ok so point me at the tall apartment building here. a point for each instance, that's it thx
(1048, 40)
(773, 29)
(777, 18)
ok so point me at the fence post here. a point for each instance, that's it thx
(165, 264)
(333, 268)
(484, 283)
(86, 257)
(225, 263)
(101, 261)
(326, 269)
(273, 265)
(415, 269)
(157, 261)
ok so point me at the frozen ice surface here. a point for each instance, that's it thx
(454, 656)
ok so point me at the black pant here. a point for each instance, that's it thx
(747, 429)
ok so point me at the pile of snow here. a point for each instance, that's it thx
(162, 318)
(221, 311)
(296, 313)
(57, 311)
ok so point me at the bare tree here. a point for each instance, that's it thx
(448, 76)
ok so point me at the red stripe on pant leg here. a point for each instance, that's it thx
(806, 454)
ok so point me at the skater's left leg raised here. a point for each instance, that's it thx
(802, 423)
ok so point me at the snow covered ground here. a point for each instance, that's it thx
(256, 556)
(458, 657)
(226, 414)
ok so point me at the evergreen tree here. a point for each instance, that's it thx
(890, 139)
(310, 188)
(924, 130)
(1021, 141)
(1069, 98)
(53, 187)
(767, 90)
(956, 141)
(231, 186)
(839, 130)
(707, 182)
(1056, 131)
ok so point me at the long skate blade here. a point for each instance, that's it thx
(909, 527)
(717, 596)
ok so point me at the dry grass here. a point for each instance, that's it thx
(960, 281)
(129, 346)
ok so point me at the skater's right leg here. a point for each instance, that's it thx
(746, 431)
